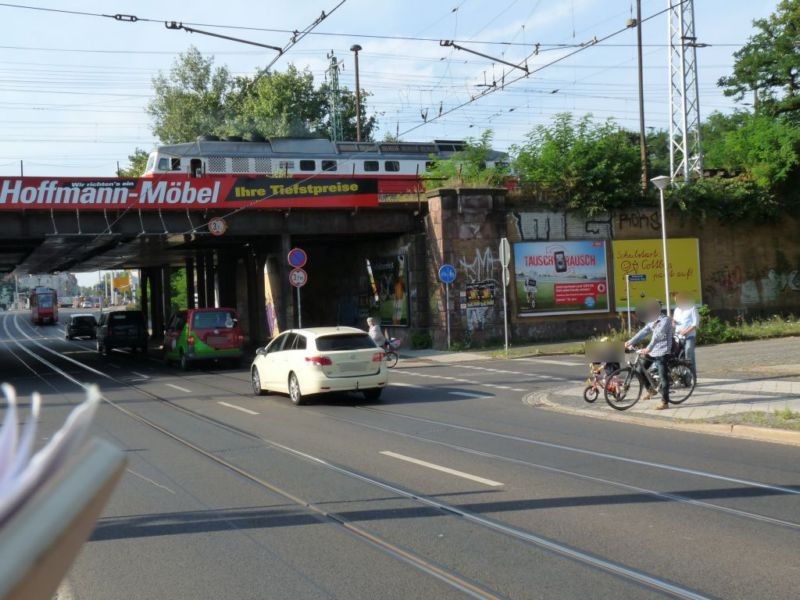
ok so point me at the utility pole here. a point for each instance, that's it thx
(355, 48)
(685, 152)
(642, 138)
(335, 98)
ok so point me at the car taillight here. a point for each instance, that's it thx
(319, 361)
(378, 357)
(191, 340)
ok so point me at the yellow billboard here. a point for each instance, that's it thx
(122, 283)
(643, 260)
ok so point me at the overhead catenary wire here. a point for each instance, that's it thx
(492, 89)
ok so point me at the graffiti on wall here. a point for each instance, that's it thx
(754, 288)
(637, 220)
(481, 272)
(556, 226)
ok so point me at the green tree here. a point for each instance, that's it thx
(769, 63)
(191, 100)
(136, 164)
(764, 148)
(467, 167)
(197, 98)
(177, 281)
(581, 164)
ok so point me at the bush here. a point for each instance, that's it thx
(420, 340)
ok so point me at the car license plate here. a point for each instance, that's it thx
(217, 340)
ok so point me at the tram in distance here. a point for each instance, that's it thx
(397, 166)
(44, 306)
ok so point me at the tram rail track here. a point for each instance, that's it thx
(452, 578)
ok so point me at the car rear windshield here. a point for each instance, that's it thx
(84, 321)
(216, 319)
(345, 341)
(125, 317)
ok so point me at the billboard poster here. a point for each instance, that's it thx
(479, 302)
(390, 274)
(179, 192)
(555, 278)
(645, 258)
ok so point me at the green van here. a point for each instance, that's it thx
(199, 334)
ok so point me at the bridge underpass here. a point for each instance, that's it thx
(226, 270)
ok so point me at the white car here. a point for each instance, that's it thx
(321, 360)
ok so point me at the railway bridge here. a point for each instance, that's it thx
(231, 234)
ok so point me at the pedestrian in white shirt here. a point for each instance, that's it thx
(687, 321)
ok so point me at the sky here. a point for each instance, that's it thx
(73, 88)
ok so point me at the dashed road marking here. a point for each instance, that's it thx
(140, 375)
(447, 470)
(239, 408)
(468, 394)
(177, 387)
(551, 361)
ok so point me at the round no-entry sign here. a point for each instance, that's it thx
(297, 258)
(298, 277)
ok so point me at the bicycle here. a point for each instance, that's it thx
(624, 386)
(390, 354)
(598, 377)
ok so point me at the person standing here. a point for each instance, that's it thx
(375, 333)
(687, 321)
(661, 330)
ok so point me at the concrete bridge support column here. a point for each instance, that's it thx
(202, 298)
(143, 297)
(156, 307)
(226, 278)
(212, 281)
(254, 294)
(288, 318)
(190, 287)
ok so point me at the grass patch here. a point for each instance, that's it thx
(779, 419)
(553, 349)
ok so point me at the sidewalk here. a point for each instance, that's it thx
(444, 356)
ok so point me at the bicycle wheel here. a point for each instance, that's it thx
(623, 389)
(590, 394)
(681, 382)
(391, 359)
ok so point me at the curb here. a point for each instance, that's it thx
(746, 432)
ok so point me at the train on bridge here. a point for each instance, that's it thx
(397, 167)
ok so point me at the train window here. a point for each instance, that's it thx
(151, 162)
(308, 165)
(285, 165)
(328, 165)
(163, 164)
(196, 167)
(175, 164)
(371, 165)
(391, 166)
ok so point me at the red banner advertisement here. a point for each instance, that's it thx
(177, 192)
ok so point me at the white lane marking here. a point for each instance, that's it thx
(617, 457)
(148, 480)
(436, 467)
(233, 406)
(406, 385)
(177, 387)
(140, 375)
(468, 394)
(550, 361)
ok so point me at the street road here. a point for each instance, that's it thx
(450, 487)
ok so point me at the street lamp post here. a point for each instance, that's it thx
(355, 48)
(661, 182)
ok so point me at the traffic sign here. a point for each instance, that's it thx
(505, 252)
(637, 277)
(447, 274)
(217, 226)
(298, 277)
(297, 258)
